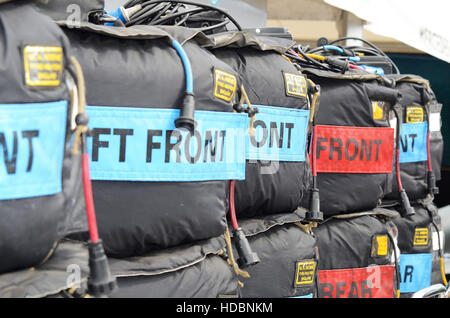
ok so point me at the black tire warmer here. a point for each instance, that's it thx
(41, 193)
(288, 254)
(137, 71)
(353, 146)
(278, 173)
(196, 270)
(421, 142)
(358, 256)
(420, 240)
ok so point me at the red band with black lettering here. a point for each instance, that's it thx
(367, 282)
(341, 149)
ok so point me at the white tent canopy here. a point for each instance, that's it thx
(424, 25)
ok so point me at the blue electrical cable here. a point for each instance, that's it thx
(186, 118)
(333, 48)
(187, 66)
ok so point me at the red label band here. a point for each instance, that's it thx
(353, 149)
(367, 282)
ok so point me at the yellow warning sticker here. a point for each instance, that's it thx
(305, 272)
(421, 236)
(224, 85)
(380, 246)
(43, 65)
(378, 110)
(414, 115)
(295, 85)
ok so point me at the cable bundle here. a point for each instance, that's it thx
(194, 15)
(331, 57)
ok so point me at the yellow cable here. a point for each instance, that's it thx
(313, 103)
(316, 57)
(444, 279)
(81, 129)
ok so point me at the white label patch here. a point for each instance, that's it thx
(435, 121)
(393, 124)
(436, 240)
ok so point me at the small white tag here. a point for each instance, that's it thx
(435, 122)
(436, 241)
(393, 124)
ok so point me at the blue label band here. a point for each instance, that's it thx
(32, 140)
(280, 134)
(415, 272)
(413, 142)
(142, 144)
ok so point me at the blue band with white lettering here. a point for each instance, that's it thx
(413, 142)
(32, 138)
(415, 272)
(280, 134)
(142, 144)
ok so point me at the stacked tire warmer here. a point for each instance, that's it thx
(352, 158)
(277, 171)
(288, 257)
(160, 192)
(357, 256)
(407, 102)
(41, 194)
(197, 270)
(420, 154)
(417, 117)
(420, 240)
(353, 144)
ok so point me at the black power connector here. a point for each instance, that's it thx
(246, 256)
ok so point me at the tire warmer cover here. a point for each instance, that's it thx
(419, 110)
(355, 146)
(420, 240)
(140, 77)
(41, 194)
(277, 171)
(63, 275)
(356, 257)
(288, 257)
(197, 270)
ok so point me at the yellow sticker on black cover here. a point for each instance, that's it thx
(295, 85)
(43, 65)
(378, 110)
(380, 246)
(421, 236)
(414, 115)
(305, 272)
(224, 85)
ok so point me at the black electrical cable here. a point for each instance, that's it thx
(369, 44)
(161, 12)
(174, 16)
(183, 20)
(404, 200)
(221, 24)
(145, 13)
(141, 16)
(309, 60)
(130, 3)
